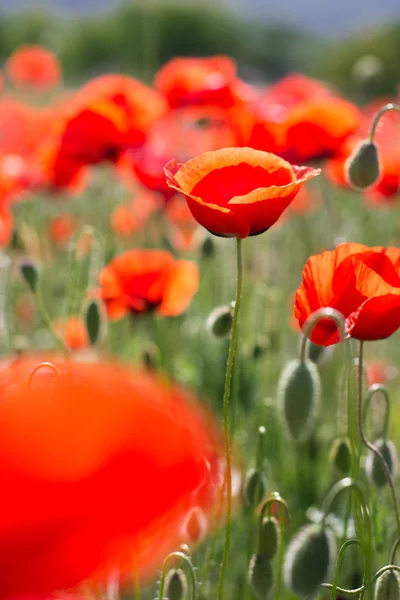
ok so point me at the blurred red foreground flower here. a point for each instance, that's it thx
(237, 192)
(139, 281)
(99, 466)
(35, 67)
(360, 282)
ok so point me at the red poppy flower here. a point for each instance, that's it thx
(300, 119)
(101, 464)
(73, 331)
(139, 281)
(386, 138)
(200, 81)
(360, 282)
(62, 229)
(35, 67)
(6, 226)
(237, 192)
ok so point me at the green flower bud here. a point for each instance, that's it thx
(261, 577)
(176, 585)
(151, 356)
(387, 586)
(93, 321)
(254, 487)
(373, 465)
(362, 167)
(298, 398)
(340, 455)
(208, 247)
(269, 537)
(220, 321)
(309, 560)
(30, 274)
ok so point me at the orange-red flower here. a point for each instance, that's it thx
(200, 81)
(34, 67)
(360, 282)
(139, 281)
(237, 192)
(6, 226)
(101, 464)
(74, 333)
(62, 229)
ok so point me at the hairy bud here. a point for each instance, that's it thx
(374, 467)
(30, 274)
(176, 585)
(261, 577)
(298, 398)
(269, 537)
(388, 586)
(362, 167)
(340, 455)
(220, 321)
(254, 487)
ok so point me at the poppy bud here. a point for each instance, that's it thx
(195, 526)
(269, 537)
(309, 559)
(151, 356)
(260, 348)
(340, 455)
(93, 321)
(176, 585)
(373, 465)
(362, 166)
(220, 321)
(261, 577)
(30, 274)
(387, 586)
(254, 487)
(298, 398)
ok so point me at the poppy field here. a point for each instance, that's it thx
(199, 305)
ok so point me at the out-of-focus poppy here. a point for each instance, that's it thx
(380, 372)
(199, 81)
(300, 119)
(25, 309)
(237, 192)
(1, 81)
(182, 134)
(139, 281)
(101, 464)
(132, 216)
(73, 331)
(386, 138)
(33, 67)
(62, 229)
(360, 282)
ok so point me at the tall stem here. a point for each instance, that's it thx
(227, 440)
(370, 446)
(377, 117)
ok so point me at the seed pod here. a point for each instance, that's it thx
(362, 167)
(220, 321)
(30, 274)
(269, 537)
(388, 586)
(373, 465)
(340, 455)
(261, 577)
(298, 398)
(309, 559)
(176, 585)
(254, 487)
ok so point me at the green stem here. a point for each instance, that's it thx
(358, 591)
(370, 446)
(227, 441)
(378, 116)
(338, 564)
(47, 322)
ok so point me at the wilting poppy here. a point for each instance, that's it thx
(101, 464)
(360, 282)
(139, 281)
(73, 331)
(237, 192)
(199, 81)
(34, 67)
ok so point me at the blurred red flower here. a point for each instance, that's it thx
(132, 216)
(387, 140)
(101, 464)
(34, 67)
(300, 119)
(200, 81)
(360, 282)
(73, 331)
(6, 226)
(139, 281)
(62, 229)
(237, 192)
